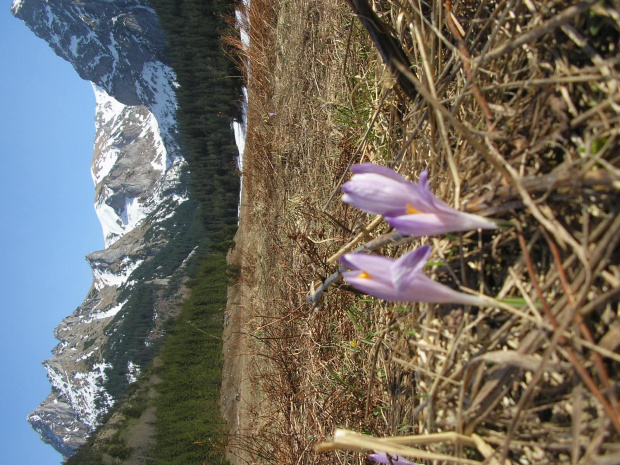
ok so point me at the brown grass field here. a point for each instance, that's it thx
(513, 107)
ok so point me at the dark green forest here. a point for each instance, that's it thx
(188, 427)
(209, 100)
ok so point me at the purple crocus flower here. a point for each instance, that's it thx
(401, 280)
(389, 459)
(408, 207)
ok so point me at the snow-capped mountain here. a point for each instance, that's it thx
(140, 188)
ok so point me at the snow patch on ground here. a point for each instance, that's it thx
(87, 355)
(240, 127)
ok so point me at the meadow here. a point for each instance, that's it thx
(512, 109)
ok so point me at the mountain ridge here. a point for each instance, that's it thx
(141, 200)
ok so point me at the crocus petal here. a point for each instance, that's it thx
(427, 197)
(423, 224)
(476, 221)
(380, 190)
(408, 207)
(408, 266)
(378, 169)
(377, 194)
(375, 265)
(382, 457)
(370, 274)
(378, 288)
(421, 288)
(401, 280)
(431, 224)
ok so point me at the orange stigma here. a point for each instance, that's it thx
(411, 210)
(364, 275)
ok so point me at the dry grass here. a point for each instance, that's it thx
(518, 119)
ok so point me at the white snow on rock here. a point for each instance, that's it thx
(102, 276)
(133, 214)
(74, 45)
(17, 4)
(161, 80)
(155, 142)
(83, 390)
(109, 313)
(111, 224)
(107, 110)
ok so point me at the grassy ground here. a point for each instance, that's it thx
(515, 116)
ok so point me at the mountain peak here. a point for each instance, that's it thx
(108, 42)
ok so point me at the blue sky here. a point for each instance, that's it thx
(48, 222)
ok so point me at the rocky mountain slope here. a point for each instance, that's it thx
(141, 201)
